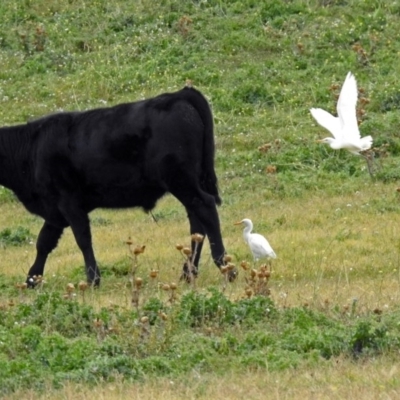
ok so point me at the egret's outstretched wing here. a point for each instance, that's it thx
(346, 108)
(327, 121)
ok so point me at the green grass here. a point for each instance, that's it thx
(44, 338)
(262, 65)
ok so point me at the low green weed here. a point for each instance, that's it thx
(50, 337)
(16, 237)
(6, 196)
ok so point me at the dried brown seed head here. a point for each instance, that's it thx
(230, 266)
(82, 285)
(70, 287)
(224, 269)
(138, 282)
(139, 250)
(334, 86)
(153, 273)
(97, 323)
(245, 265)
(227, 258)
(197, 237)
(187, 251)
(163, 316)
(265, 147)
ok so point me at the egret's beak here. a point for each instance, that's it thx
(237, 223)
(319, 141)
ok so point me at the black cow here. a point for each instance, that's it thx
(64, 165)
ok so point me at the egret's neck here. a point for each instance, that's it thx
(246, 232)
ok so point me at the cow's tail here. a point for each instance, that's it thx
(208, 180)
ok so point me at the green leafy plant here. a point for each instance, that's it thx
(16, 237)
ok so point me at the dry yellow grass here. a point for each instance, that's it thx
(336, 379)
(330, 250)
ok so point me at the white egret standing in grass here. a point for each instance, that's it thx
(259, 246)
(344, 127)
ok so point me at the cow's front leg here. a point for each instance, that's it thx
(80, 225)
(46, 243)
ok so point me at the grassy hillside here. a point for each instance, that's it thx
(262, 65)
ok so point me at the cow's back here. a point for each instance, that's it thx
(127, 155)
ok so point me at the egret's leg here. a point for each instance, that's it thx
(369, 157)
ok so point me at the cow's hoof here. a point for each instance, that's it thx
(30, 282)
(233, 274)
(33, 281)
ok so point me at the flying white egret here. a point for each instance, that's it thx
(344, 127)
(259, 246)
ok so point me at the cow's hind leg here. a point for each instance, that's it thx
(202, 211)
(79, 221)
(46, 243)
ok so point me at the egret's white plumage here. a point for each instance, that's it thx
(344, 127)
(259, 246)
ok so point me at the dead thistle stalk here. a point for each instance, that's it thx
(190, 274)
(136, 283)
(228, 271)
(82, 287)
(136, 293)
(257, 281)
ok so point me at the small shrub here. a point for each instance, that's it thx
(201, 309)
(152, 308)
(17, 237)
(6, 196)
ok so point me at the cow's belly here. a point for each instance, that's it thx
(124, 197)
